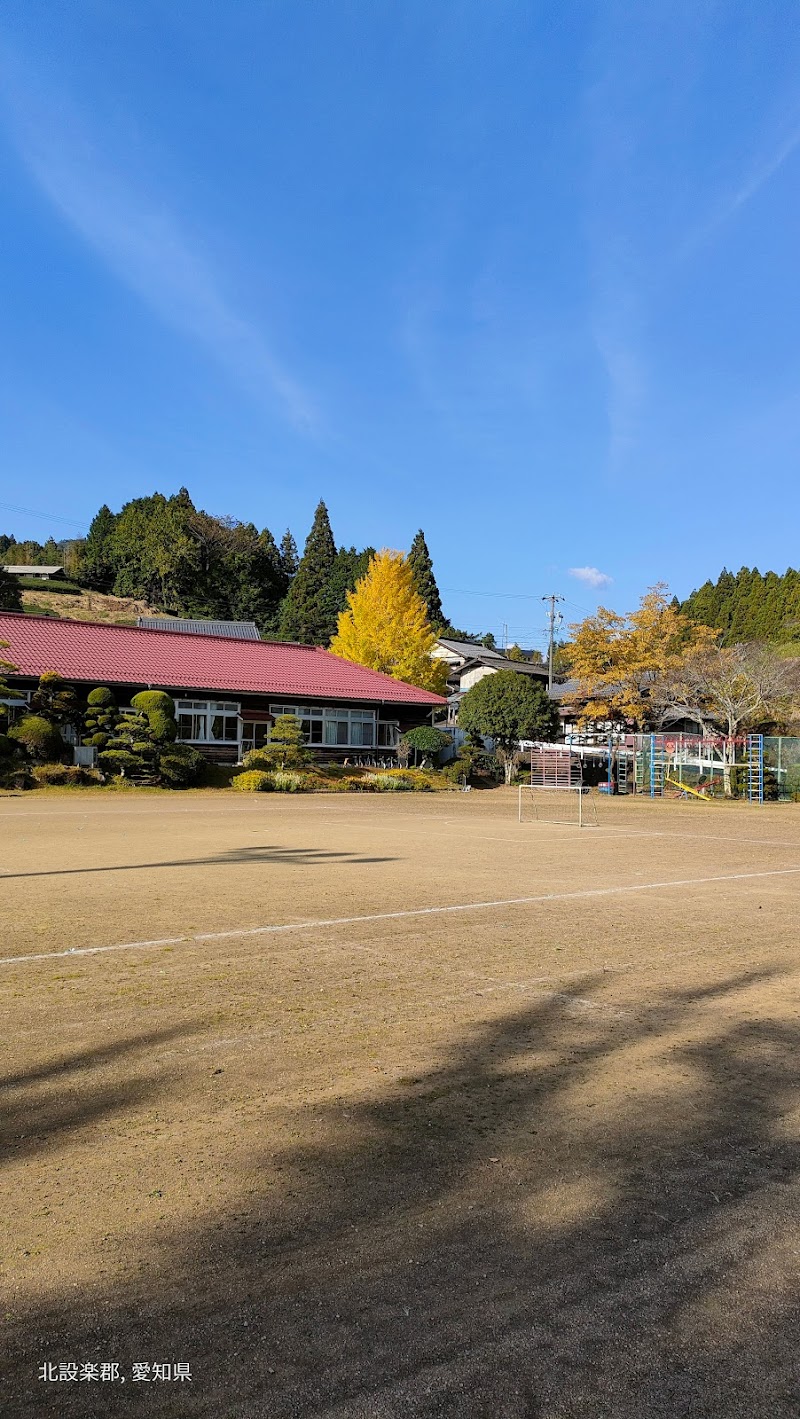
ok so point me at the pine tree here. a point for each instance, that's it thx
(421, 564)
(386, 626)
(307, 614)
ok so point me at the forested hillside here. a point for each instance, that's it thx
(747, 606)
(174, 557)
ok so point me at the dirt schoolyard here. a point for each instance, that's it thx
(378, 1107)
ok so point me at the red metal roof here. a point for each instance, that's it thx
(84, 651)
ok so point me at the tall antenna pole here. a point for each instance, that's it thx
(551, 616)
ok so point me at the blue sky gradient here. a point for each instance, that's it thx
(522, 274)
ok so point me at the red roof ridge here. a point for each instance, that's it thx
(124, 626)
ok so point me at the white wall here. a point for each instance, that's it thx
(471, 677)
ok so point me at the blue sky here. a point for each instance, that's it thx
(522, 274)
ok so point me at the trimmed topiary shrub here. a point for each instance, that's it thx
(286, 748)
(55, 700)
(101, 718)
(179, 765)
(101, 697)
(428, 741)
(41, 738)
(257, 759)
(158, 709)
(142, 746)
(117, 761)
(253, 781)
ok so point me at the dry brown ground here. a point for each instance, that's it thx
(86, 605)
(532, 1159)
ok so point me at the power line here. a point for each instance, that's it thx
(45, 516)
(507, 595)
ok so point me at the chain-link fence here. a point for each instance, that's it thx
(760, 768)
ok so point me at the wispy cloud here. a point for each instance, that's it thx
(760, 174)
(591, 576)
(616, 261)
(144, 243)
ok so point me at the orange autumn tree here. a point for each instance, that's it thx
(386, 626)
(618, 661)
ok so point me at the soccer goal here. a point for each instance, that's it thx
(556, 792)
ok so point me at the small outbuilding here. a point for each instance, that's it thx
(39, 573)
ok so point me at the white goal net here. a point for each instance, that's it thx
(555, 792)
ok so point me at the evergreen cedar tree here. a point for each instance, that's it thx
(386, 626)
(290, 560)
(419, 560)
(748, 606)
(308, 613)
(10, 594)
(507, 707)
(618, 660)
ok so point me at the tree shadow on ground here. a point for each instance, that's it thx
(253, 856)
(37, 1106)
(540, 1228)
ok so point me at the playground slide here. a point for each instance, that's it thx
(684, 788)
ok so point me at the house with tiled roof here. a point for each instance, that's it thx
(227, 691)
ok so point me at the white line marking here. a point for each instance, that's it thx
(320, 924)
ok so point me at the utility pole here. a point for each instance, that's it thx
(552, 614)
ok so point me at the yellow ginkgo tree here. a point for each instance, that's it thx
(386, 626)
(619, 660)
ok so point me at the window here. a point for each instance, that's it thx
(332, 727)
(207, 721)
(336, 731)
(225, 727)
(312, 731)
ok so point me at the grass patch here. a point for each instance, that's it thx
(57, 588)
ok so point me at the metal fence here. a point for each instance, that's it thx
(757, 767)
